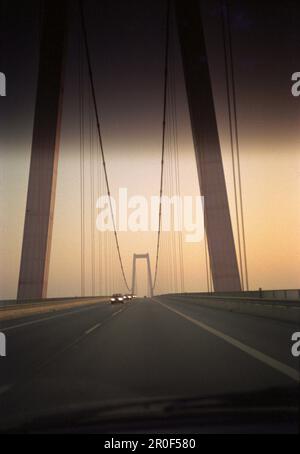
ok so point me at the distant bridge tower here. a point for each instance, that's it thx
(150, 283)
(34, 268)
(224, 266)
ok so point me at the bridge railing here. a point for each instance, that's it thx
(277, 308)
(4, 304)
(18, 309)
(286, 294)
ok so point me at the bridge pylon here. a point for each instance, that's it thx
(150, 283)
(37, 236)
(221, 246)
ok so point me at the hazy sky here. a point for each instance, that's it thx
(127, 47)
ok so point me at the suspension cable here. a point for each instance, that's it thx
(163, 138)
(82, 153)
(92, 194)
(237, 142)
(173, 87)
(100, 138)
(231, 132)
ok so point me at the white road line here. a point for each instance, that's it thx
(268, 360)
(5, 389)
(100, 324)
(116, 313)
(93, 329)
(45, 319)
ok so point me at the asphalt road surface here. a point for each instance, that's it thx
(143, 349)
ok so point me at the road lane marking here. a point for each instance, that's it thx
(100, 324)
(41, 366)
(268, 360)
(116, 313)
(73, 344)
(45, 319)
(93, 329)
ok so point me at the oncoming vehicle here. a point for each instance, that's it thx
(117, 298)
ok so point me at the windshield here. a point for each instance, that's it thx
(150, 215)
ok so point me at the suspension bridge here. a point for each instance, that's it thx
(173, 341)
(225, 269)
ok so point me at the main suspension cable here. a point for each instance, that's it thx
(100, 138)
(163, 138)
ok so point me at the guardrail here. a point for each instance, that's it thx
(287, 310)
(12, 309)
(286, 294)
(8, 304)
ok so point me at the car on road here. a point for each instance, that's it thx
(128, 297)
(117, 298)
